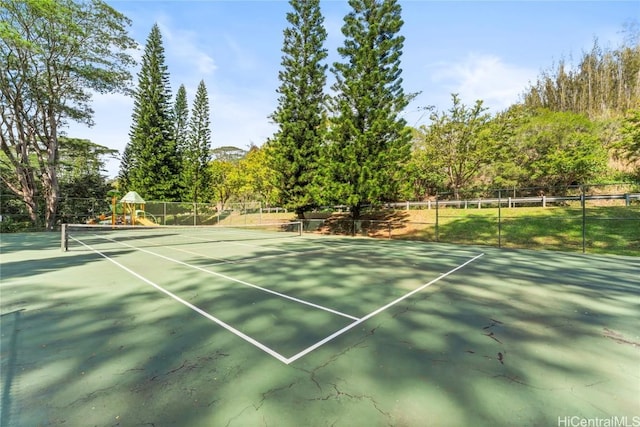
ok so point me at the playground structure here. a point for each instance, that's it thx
(131, 212)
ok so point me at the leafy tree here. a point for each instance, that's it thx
(151, 154)
(502, 167)
(560, 149)
(196, 152)
(369, 141)
(54, 54)
(223, 184)
(256, 177)
(300, 115)
(424, 171)
(631, 137)
(83, 187)
(80, 158)
(460, 142)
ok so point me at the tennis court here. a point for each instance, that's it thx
(206, 326)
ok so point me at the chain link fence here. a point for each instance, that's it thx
(587, 218)
(14, 215)
(595, 219)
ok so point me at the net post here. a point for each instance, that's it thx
(64, 238)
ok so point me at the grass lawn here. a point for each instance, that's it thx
(608, 229)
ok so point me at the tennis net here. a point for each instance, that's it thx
(161, 235)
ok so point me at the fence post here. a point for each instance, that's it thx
(499, 218)
(583, 201)
(437, 218)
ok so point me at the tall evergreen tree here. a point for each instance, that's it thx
(181, 129)
(197, 151)
(152, 153)
(126, 166)
(181, 118)
(300, 115)
(369, 140)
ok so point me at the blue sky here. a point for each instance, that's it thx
(481, 50)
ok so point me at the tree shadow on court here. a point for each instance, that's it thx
(542, 336)
(516, 337)
(521, 337)
(482, 344)
(31, 268)
(14, 242)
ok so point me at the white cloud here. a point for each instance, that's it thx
(184, 48)
(239, 123)
(485, 77)
(243, 58)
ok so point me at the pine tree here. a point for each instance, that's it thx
(126, 165)
(152, 153)
(181, 118)
(300, 115)
(197, 151)
(369, 141)
(181, 130)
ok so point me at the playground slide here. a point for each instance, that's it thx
(145, 222)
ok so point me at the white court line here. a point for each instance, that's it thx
(261, 346)
(373, 313)
(242, 282)
(191, 306)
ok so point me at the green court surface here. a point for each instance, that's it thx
(168, 329)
